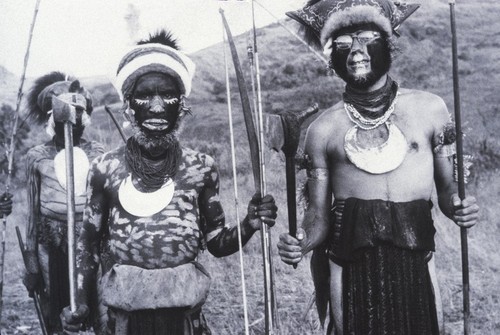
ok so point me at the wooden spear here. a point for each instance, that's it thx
(460, 168)
(12, 147)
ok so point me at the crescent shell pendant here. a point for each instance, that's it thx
(377, 160)
(81, 167)
(144, 204)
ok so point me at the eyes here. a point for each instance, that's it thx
(145, 100)
(364, 37)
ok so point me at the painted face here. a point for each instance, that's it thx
(82, 119)
(360, 55)
(156, 100)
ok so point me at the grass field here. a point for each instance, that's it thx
(292, 80)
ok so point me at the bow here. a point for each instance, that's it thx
(235, 188)
(257, 167)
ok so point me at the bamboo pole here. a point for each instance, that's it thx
(12, 147)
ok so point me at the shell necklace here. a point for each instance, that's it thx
(365, 123)
(381, 158)
(144, 204)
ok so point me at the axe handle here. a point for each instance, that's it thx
(291, 197)
(70, 200)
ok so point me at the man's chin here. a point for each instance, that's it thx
(156, 142)
(363, 81)
(155, 133)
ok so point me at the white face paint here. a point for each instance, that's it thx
(359, 64)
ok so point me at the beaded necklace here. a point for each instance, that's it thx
(366, 123)
(152, 174)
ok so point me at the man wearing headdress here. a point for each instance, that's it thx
(377, 156)
(46, 230)
(158, 203)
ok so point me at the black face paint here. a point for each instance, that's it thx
(377, 52)
(155, 101)
(78, 128)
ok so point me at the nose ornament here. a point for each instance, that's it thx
(157, 105)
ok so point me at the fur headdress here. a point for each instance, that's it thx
(159, 53)
(39, 99)
(321, 18)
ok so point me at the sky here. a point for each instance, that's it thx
(88, 37)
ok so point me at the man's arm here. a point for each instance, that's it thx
(33, 190)
(317, 215)
(222, 240)
(87, 247)
(463, 212)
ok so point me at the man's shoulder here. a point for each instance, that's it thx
(93, 146)
(194, 157)
(329, 120)
(424, 98)
(106, 157)
(40, 150)
(425, 104)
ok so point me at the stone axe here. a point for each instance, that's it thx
(283, 135)
(64, 110)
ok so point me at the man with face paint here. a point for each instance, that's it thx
(46, 230)
(376, 157)
(157, 203)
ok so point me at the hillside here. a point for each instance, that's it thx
(8, 84)
(293, 79)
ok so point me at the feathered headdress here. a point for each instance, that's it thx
(159, 53)
(321, 18)
(39, 99)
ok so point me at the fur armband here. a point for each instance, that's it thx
(467, 168)
(445, 146)
(317, 174)
(445, 150)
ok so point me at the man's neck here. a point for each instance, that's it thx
(59, 142)
(377, 85)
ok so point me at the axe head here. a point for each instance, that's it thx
(64, 106)
(274, 132)
(283, 130)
